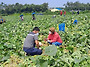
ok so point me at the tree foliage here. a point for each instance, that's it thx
(77, 6)
(19, 8)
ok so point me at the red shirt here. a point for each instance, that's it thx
(61, 13)
(64, 12)
(55, 37)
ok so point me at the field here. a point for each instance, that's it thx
(76, 38)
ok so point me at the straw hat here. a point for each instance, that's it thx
(52, 29)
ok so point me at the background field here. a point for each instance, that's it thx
(75, 37)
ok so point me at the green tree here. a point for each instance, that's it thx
(77, 6)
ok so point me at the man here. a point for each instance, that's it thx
(31, 41)
(53, 37)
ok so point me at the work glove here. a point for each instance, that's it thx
(40, 44)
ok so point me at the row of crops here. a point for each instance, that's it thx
(76, 38)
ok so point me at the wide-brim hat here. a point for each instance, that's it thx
(52, 29)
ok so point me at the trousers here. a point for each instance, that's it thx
(55, 43)
(32, 51)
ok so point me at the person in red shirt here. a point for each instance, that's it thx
(61, 12)
(64, 13)
(53, 37)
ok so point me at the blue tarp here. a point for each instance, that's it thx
(75, 22)
(62, 27)
(58, 8)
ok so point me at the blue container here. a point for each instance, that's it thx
(62, 27)
(1, 20)
(75, 22)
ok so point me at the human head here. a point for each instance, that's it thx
(36, 30)
(52, 30)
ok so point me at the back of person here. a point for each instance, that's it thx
(30, 40)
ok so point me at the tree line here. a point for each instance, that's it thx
(28, 8)
(77, 6)
(19, 8)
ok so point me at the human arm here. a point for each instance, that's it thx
(36, 40)
(37, 43)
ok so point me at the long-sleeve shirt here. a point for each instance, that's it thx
(64, 12)
(61, 13)
(54, 37)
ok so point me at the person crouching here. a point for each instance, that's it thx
(2, 20)
(53, 37)
(31, 41)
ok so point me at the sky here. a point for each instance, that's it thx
(52, 3)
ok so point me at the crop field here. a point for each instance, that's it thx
(76, 41)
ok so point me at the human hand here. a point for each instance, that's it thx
(40, 48)
(45, 39)
(48, 40)
(40, 44)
